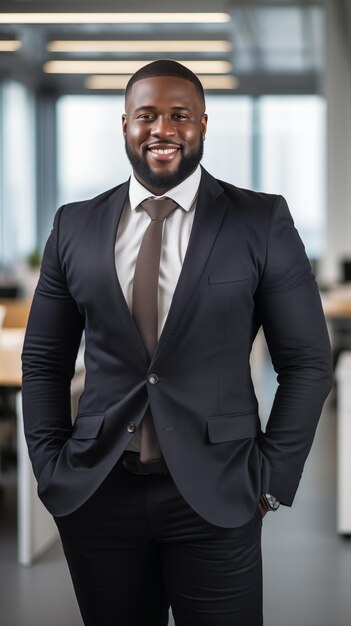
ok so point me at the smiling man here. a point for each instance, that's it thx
(160, 486)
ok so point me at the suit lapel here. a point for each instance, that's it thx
(209, 215)
(107, 231)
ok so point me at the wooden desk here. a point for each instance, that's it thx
(16, 312)
(337, 303)
(337, 310)
(11, 342)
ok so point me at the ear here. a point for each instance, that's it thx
(203, 125)
(124, 124)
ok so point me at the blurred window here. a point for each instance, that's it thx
(228, 145)
(18, 173)
(292, 157)
(91, 155)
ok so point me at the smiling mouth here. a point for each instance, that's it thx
(163, 150)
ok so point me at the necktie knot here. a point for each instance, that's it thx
(158, 210)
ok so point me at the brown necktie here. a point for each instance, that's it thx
(145, 303)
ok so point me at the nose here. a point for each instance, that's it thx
(163, 127)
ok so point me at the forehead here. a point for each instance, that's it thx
(169, 91)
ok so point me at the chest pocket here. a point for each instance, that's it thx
(220, 279)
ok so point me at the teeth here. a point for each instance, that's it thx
(166, 151)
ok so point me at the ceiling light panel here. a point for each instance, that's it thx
(120, 82)
(114, 18)
(128, 67)
(140, 46)
(10, 45)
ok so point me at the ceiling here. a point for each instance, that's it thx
(270, 46)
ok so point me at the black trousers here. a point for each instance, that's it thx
(135, 548)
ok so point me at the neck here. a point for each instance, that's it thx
(160, 191)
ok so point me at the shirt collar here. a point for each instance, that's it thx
(183, 194)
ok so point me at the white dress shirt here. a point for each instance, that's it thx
(176, 233)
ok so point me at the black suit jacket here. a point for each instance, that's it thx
(245, 266)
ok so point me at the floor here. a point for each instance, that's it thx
(307, 567)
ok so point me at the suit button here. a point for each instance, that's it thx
(153, 379)
(131, 428)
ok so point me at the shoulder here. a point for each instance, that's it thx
(79, 220)
(239, 195)
(247, 203)
(85, 207)
(248, 197)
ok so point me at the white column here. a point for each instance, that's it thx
(36, 529)
(337, 89)
(343, 375)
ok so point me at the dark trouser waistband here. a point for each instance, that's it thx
(132, 464)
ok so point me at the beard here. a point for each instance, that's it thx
(167, 181)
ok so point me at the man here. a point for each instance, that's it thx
(159, 488)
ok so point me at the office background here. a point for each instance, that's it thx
(277, 75)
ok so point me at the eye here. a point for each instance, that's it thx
(180, 117)
(146, 117)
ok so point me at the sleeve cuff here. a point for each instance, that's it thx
(283, 486)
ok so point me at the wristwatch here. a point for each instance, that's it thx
(270, 502)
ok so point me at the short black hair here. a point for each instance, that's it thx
(166, 67)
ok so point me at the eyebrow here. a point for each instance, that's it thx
(152, 108)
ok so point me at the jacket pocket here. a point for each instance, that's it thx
(88, 426)
(221, 428)
(217, 279)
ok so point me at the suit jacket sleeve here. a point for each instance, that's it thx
(50, 349)
(290, 311)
